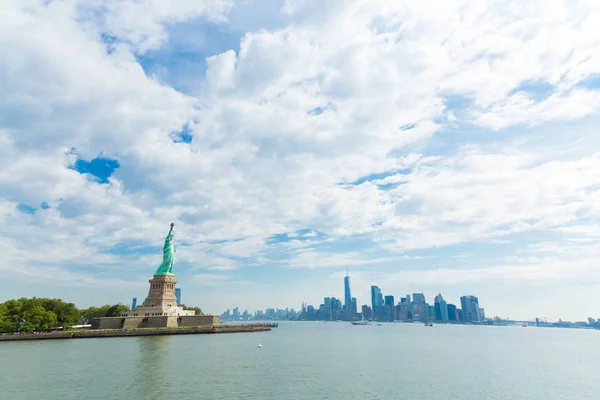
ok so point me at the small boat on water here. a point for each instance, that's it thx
(359, 323)
(428, 323)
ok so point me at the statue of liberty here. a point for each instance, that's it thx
(166, 268)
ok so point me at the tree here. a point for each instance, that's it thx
(196, 309)
(38, 314)
(13, 315)
(116, 310)
(93, 312)
(5, 323)
(36, 318)
(26, 315)
(67, 314)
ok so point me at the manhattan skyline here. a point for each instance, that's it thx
(410, 308)
(443, 148)
(403, 308)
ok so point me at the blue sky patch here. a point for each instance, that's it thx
(24, 208)
(388, 186)
(378, 176)
(101, 168)
(181, 61)
(591, 82)
(537, 90)
(183, 136)
(321, 109)
(301, 234)
(317, 111)
(110, 42)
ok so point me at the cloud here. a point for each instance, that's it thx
(142, 23)
(210, 279)
(371, 134)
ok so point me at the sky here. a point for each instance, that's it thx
(446, 148)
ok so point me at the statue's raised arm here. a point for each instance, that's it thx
(166, 267)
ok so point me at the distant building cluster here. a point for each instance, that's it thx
(382, 309)
(386, 309)
(270, 314)
(410, 308)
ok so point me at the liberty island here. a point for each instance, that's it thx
(159, 314)
(159, 309)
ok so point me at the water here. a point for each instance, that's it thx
(305, 360)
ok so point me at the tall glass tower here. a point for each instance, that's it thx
(376, 297)
(470, 308)
(347, 295)
(178, 295)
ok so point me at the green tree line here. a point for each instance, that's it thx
(42, 314)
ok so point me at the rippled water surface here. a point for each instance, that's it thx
(306, 360)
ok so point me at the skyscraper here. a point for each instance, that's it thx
(470, 308)
(327, 304)
(389, 308)
(389, 301)
(134, 303)
(376, 298)
(353, 307)
(419, 298)
(336, 304)
(441, 308)
(367, 313)
(452, 314)
(178, 295)
(347, 295)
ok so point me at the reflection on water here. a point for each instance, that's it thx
(151, 367)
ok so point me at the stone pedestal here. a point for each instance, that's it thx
(161, 300)
(162, 292)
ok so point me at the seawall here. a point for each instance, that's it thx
(105, 333)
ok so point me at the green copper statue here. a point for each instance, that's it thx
(166, 268)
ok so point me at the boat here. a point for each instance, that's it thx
(359, 323)
(428, 323)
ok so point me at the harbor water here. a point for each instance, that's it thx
(312, 360)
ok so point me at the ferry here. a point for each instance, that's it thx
(363, 322)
